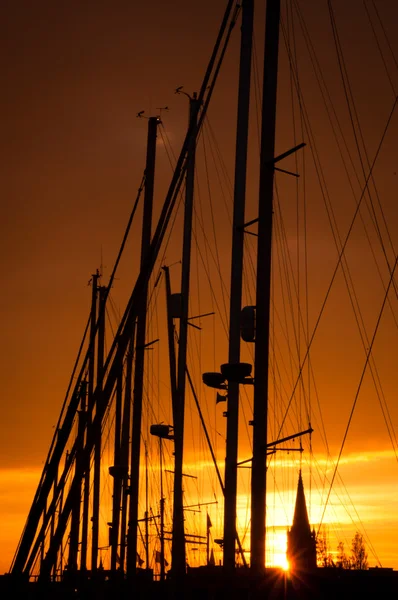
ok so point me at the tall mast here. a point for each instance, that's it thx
(52, 525)
(97, 442)
(178, 547)
(91, 369)
(117, 472)
(75, 519)
(261, 358)
(140, 350)
(236, 283)
(146, 508)
(162, 565)
(171, 341)
(124, 446)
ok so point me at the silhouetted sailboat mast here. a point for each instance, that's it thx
(230, 533)
(263, 287)
(140, 351)
(178, 538)
(100, 380)
(43, 529)
(252, 323)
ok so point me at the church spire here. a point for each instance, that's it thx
(301, 544)
(300, 519)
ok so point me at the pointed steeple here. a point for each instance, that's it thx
(300, 518)
(301, 544)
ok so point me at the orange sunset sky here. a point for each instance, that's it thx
(72, 156)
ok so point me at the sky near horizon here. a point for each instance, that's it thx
(75, 76)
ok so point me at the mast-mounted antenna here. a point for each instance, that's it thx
(179, 90)
(160, 108)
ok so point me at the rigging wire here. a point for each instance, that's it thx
(80, 376)
(354, 119)
(203, 228)
(57, 429)
(379, 46)
(217, 256)
(342, 250)
(197, 245)
(169, 156)
(360, 384)
(352, 294)
(327, 98)
(385, 34)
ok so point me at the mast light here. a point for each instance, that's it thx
(118, 471)
(162, 431)
(237, 372)
(214, 380)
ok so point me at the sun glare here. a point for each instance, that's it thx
(280, 560)
(285, 566)
(277, 554)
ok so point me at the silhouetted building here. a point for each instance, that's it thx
(301, 542)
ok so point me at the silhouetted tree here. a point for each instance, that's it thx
(323, 556)
(359, 556)
(343, 560)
